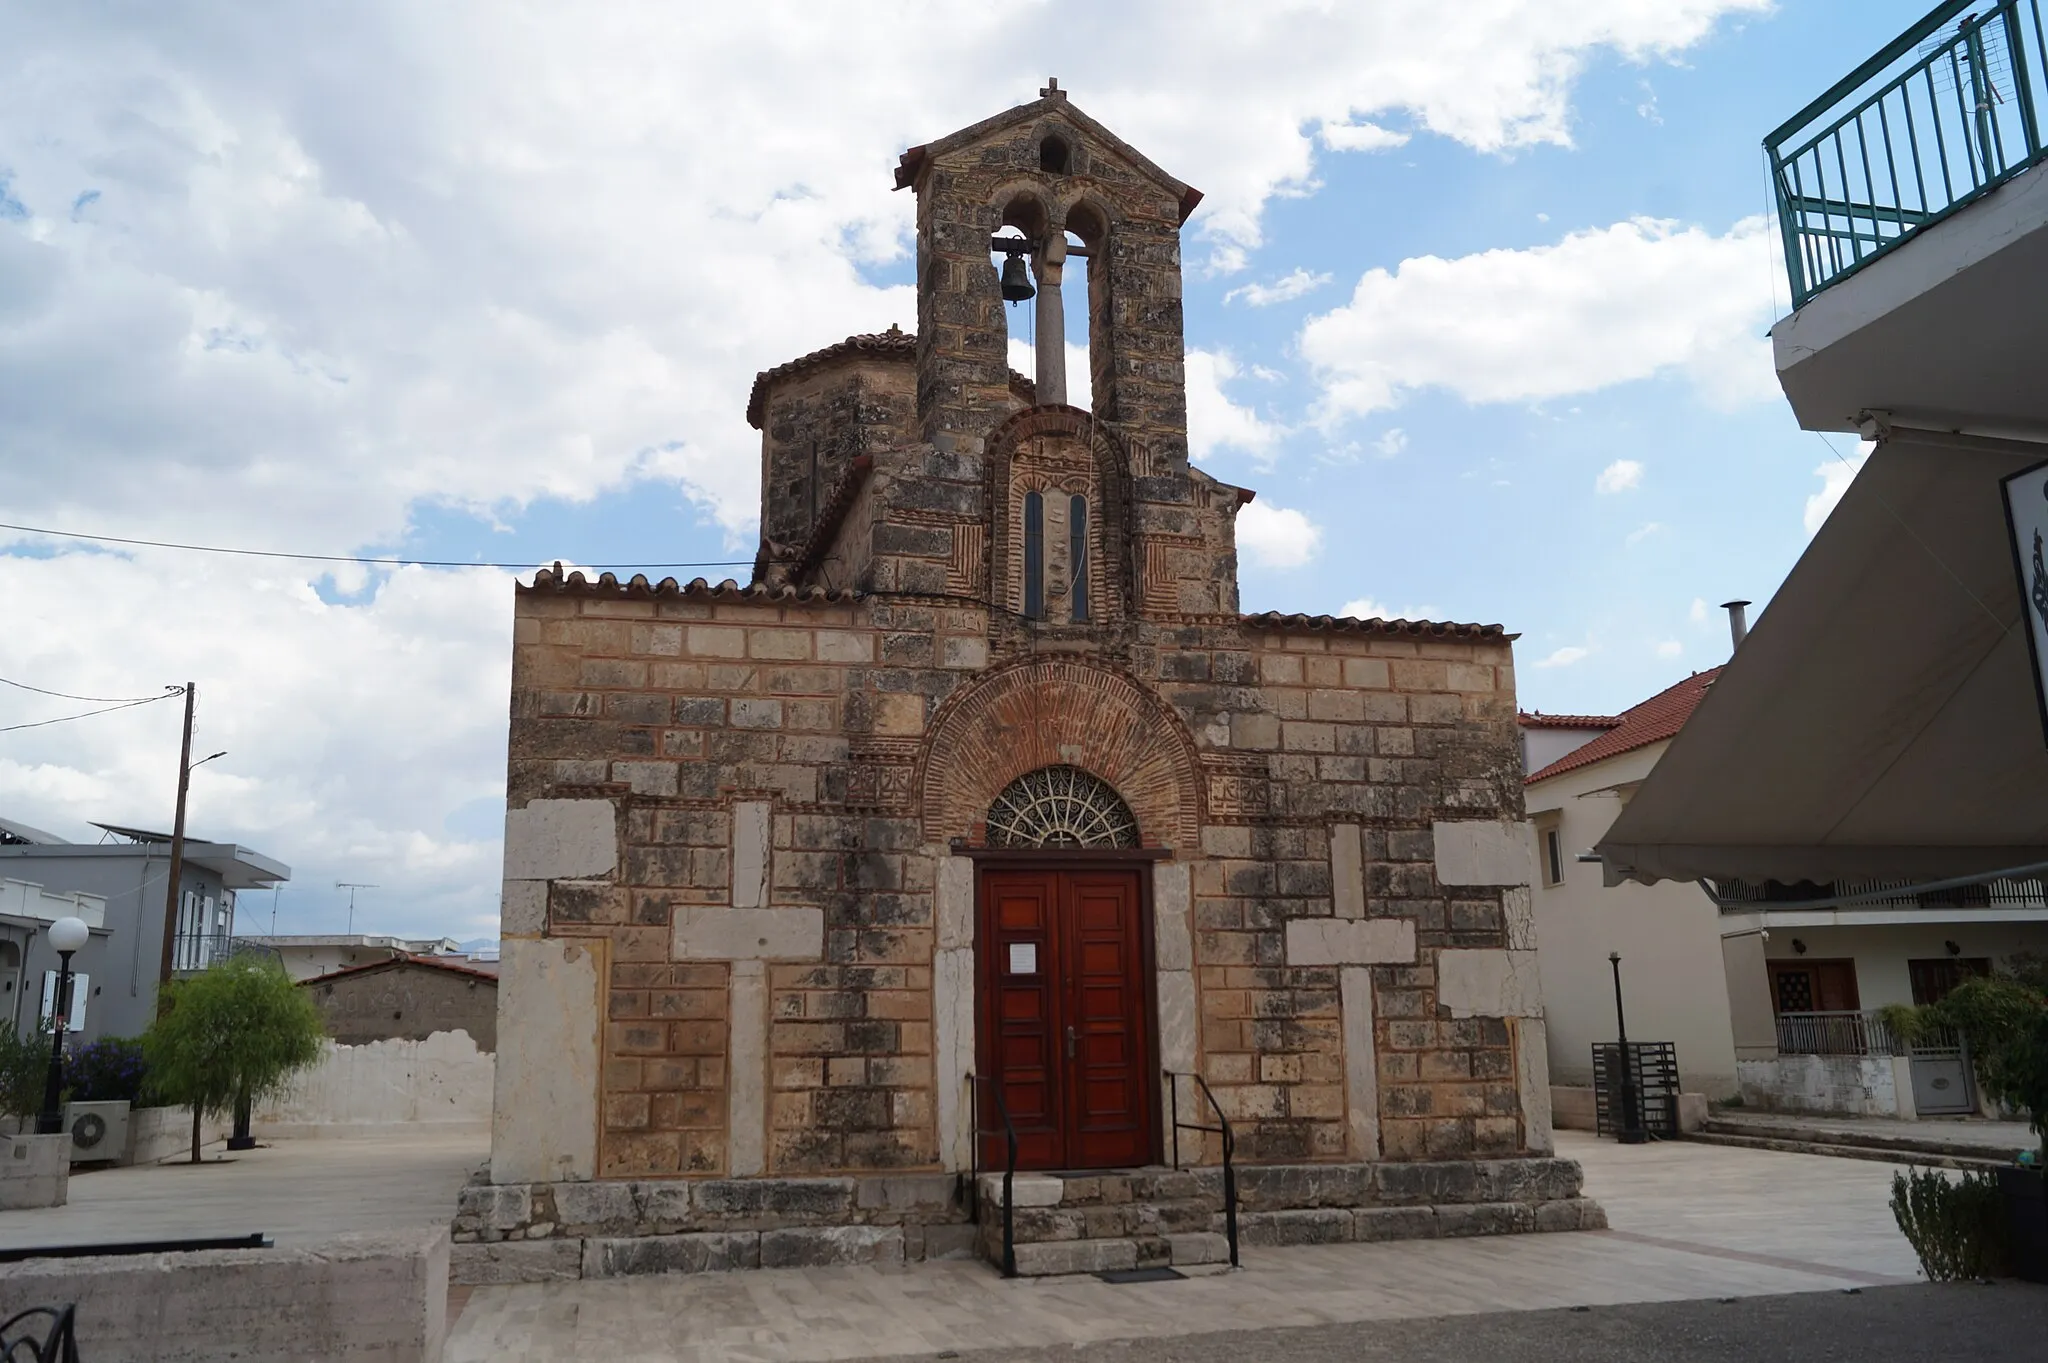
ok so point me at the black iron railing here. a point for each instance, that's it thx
(24, 1338)
(1222, 1128)
(1009, 1133)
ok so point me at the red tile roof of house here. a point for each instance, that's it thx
(433, 962)
(1655, 720)
(1536, 719)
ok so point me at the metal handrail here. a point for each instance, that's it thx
(1009, 1130)
(1925, 141)
(1853, 1032)
(58, 1345)
(1221, 1128)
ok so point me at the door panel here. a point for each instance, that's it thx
(1063, 1006)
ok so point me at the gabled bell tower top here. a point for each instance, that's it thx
(1065, 183)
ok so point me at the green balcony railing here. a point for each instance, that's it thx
(1939, 118)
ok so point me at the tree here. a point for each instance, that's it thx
(24, 1060)
(2004, 1018)
(234, 1033)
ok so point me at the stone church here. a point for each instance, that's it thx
(982, 812)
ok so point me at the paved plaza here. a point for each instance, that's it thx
(1690, 1221)
(1996, 1137)
(299, 1192)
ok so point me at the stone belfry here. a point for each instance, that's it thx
(1049, 170)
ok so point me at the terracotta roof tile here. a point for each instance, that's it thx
(608, 584)
(1536, 719)
(432, 962)
(1434, 629)
(1655, 720)
(893, 344)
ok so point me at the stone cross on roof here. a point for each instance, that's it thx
(1052, 89)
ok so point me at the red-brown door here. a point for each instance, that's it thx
(1062, 1017)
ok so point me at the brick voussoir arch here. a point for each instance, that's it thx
(1113, 479)
(1060, 712)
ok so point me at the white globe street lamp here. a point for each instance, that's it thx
(67, 935)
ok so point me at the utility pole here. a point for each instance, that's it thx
(163, 976)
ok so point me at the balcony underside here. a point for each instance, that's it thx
(1946, 331)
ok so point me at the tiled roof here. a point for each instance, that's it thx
(638, 586)
(1536, 719)
(431, 962)
(1434, 629)
(1655, 720)
(893, 344)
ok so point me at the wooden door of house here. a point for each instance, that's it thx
(1814, 986)
(1062, 1017)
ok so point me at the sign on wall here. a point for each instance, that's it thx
(2026, 516)
(81, 985)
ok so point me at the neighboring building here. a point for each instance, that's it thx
(308, 956)
(117, 886)
(987, 773)
(1867, 781)
(1669, 935)
(407, 998)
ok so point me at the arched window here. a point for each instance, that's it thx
(1034, 556)
(1060, 807)
(1077, 557)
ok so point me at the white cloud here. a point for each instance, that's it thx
(1669, 648)
(1563, 657)
(1619, 476)
(1365, 608)
(1277, 537)
(1601, 307)
(1024, 360)
(1361, 137)
(1214, 421)
(1644, 531)
(1391, 442)
(349, 266)
(1835, 476)
(1295, 284)
(1699, 614)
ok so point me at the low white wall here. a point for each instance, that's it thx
(35, 1171)
(1849, 1085)
(442, 1080)
(382, 1297)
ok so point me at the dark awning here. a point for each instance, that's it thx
(1880, 720)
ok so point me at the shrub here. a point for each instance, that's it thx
(1956, 1225)
(24, 1060)
(110, 1070)
(2004, 1018)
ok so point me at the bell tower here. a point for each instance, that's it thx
(1046, 170)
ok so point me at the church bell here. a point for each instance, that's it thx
(1016, 283)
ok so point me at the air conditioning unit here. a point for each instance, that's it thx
(99, 1131)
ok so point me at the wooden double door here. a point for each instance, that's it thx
(1062, 1009)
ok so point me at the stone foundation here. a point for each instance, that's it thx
(1062, 1224)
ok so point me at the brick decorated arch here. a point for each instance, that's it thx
(1050, 712)
(1111, 583)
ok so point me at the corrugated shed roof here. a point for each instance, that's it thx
(1655, 720)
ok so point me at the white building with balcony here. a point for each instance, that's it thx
(1864, 789)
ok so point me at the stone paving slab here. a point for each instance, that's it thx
(2000, 1137)
(1691, 1222)
(300, 1192)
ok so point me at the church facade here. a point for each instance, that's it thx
(983, 810)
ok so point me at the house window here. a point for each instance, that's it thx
(1553, 856)
(1077, 556)
(1935, 979)
(1034, 556)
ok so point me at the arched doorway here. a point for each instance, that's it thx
(1062, 964)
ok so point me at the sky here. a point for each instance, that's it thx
(1476, 302)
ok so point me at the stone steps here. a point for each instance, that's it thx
(1976, 1158)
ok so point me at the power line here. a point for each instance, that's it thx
(347, 558)
(88, 714)
(91, 700)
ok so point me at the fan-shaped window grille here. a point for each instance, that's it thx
(1060, 807)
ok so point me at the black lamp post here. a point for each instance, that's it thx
(1631, 1132)
(67, 935)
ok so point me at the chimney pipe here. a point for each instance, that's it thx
(1738, 621)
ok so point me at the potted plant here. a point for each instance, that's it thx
(2003, 1019)
(234, 1033)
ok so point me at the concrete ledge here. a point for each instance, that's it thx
(35, 1171)
(381, 1297)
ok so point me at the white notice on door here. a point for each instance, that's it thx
(1023, 958)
